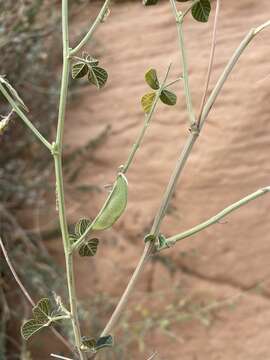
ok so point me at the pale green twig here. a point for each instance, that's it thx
(24, 118)
(93, 28)
(211, 61)
(215, 219)
(179, 21)
(230, 66)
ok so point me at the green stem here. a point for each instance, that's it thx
(179, 21)
(24, 118)
(57, 153)
(213, 220)
(93, 28)
(230, 66)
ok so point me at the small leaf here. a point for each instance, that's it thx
(149, 237)
(42, 311)
(152, 79)
(13, 93)
(104, 341)
(89, 343)
(149, 2)
(89, 248)
(30, 327)
(168, 97)
(92, 61)
(79, 70)
(73, 238)
(147, 101)
(81, 226)
(162, 242)
(114, 206)
(97, 76)
(201, 10)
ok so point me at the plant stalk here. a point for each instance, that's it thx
(24, 118)
(57, 154)
(215, 219)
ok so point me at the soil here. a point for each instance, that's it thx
(227, 264)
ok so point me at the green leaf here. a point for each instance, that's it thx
(114, 205)
(73, 238)
(42, 311)
(88, 343)
(149, 237)
(147, 101)
(104, 341)
(201, 10)
(97, 76)
(13, 93)
(162, 241)
(81, 226)
(79, 70)
(30, 327)
(152, 79)
(149, 2)
(89, 248)
(168, 97)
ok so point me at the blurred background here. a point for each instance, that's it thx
(208, 297)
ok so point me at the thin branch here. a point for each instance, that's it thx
(179, 22)
(60, 357)
(230, 66)
(24, 118)
(147, 120)
(93, 28)
(213, 220)
(27, 295)
(211, 60)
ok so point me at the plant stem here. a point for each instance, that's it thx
(93, 28)
(57, 154)
(24, 118)
(213, 220)
(230, 66)
(211, 61)
(179, 22)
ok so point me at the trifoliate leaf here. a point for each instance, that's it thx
(79, 70)
(81, 226)
(104, 341)
(97, 76)
(168, 97)
(42, 311)
(13, 93)
(147, 101)
(201, 10)
(149, 2)
(152, 79)
(89, 248)
(30, 327)
(114, 206)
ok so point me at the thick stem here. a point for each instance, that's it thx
(57, 153)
